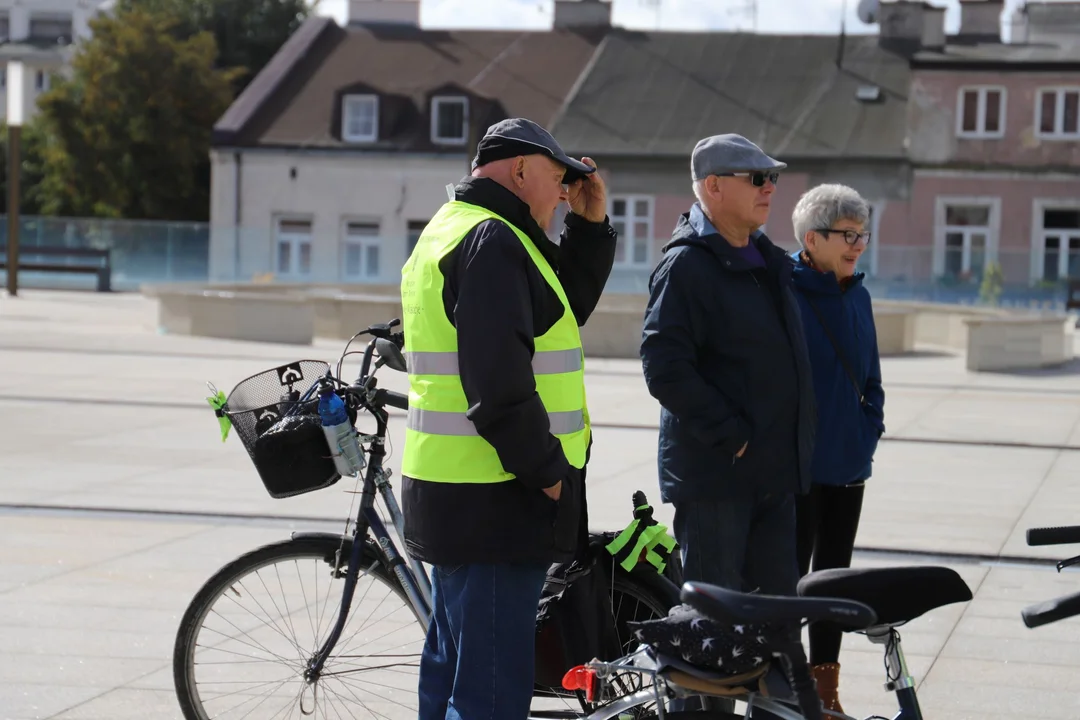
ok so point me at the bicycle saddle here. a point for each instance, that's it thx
(896, 594)
(731, 606)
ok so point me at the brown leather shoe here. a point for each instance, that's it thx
(827, 677)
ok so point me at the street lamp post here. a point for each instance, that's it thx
(15, 75)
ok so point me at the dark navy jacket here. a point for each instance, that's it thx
(847, 434)
(723, 352)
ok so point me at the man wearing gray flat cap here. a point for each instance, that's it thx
(724, 354)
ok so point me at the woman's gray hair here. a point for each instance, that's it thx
(826, 205)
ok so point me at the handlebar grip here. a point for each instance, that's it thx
(392, 399)
(1066, 535)
(1051, 611)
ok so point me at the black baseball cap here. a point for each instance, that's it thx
(518, 136)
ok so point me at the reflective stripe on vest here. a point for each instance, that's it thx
(433, 422)
(552, 362)
(441, 442)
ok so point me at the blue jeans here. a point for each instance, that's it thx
(478, 661)
(744, 544)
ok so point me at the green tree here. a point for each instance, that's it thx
(31, 152)
(248, 32)
(993, 283)
(128, 134)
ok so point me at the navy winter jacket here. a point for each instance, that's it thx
(723, 352)
(847, 434)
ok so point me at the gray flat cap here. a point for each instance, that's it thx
(518, 136)
(730, 153)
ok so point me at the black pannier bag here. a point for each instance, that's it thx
(576, 622)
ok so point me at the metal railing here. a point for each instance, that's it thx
(153, 251)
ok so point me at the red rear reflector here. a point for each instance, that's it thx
(581, 678)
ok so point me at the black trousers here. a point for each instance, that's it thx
(826, 522)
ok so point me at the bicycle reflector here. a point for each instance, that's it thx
(582, 678)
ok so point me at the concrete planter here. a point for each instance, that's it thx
(1014, 343)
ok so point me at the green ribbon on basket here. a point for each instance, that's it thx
(643, 537)
(217, 401)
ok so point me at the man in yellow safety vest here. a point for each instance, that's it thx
(498, 430)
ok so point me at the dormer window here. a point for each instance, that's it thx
(50, 27)
(360, 118)
(449, 120)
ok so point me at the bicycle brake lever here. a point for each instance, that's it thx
(1068, 563)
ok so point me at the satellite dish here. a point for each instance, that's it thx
(868, 11)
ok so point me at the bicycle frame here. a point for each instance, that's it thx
(409, 571)
(641, 662)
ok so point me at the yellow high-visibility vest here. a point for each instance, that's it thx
(441, 443)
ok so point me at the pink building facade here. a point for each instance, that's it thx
(986, 173)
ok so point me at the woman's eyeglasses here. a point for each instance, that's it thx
(850, 236)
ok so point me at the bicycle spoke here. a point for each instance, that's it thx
(365, 705)
(362, 703)
(248, 699)
(272, 626)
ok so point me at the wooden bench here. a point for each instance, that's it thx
(41, 262)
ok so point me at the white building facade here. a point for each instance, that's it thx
(41, 34)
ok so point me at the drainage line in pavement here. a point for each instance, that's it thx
(164, 404)
(887, 438)
(132, 514)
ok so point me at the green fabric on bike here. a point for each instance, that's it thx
(643, 536)
(217, 402)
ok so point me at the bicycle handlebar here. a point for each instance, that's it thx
(1051, 611)
(1065, 535)
(389, 398)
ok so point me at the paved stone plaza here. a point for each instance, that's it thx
(118, 500)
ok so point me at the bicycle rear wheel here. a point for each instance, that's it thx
(246, 639)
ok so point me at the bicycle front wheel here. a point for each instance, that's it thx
(247, 637)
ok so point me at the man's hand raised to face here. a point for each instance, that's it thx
(588, 196)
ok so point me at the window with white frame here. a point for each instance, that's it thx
(51, 27)
(1058, 111)
(360, 118)
(868, 261)
(362, 250)
(981, 112)
(967, 230)
(449, 120)
(1059, 236)
(293, 248)
(632, 218)
(41, 81)
(415, 229)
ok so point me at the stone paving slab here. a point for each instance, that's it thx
(94, 640)
(93, 603)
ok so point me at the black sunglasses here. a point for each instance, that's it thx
(757, 179)
(850, 236)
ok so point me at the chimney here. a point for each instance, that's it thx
(1054, 23)
(981, 19)
(908, 26)
(384, 12)
(582, 13)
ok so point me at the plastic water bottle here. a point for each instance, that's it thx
(340, 434)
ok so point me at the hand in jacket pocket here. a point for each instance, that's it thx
(555, 491)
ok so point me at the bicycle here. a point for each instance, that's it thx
(274, 413)
(1063, 607)
(873, 602)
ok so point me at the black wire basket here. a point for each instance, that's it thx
(275, 414)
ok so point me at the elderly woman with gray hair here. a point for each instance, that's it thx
(830, 225)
